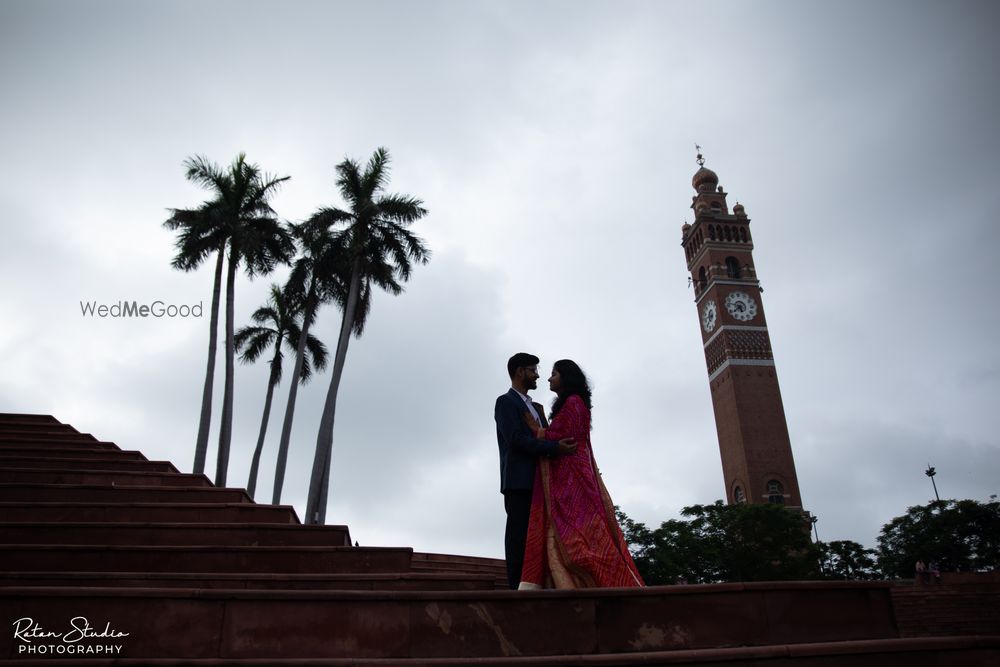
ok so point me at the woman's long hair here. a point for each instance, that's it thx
(572, 381)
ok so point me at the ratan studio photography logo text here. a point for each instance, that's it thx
(80, 638)
(135, 309)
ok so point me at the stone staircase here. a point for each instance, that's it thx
(97, 542)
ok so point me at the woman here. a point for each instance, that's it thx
(574, 540)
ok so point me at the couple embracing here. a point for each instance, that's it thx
(561, 525)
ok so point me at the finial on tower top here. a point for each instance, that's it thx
(704, 179)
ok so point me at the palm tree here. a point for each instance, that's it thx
(201, 234)
(380, 250)
(316, 278)
(241, 219)
(282, 314)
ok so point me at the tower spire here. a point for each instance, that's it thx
(701, 158)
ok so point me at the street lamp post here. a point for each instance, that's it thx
(822, 558)
(930, 472)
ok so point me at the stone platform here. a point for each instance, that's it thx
(197, 575)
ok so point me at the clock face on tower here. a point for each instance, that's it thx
(709, 316)
(741, 306)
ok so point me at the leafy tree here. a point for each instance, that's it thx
(718, 543)
(239, 219)
(959, 535)
(381, 249)
(844, 559)
(317, 276)
(666, 555)
(282, 314)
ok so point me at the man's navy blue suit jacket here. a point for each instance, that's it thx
(519, 449)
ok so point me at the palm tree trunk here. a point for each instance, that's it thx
(271, 383)
(226, 429)
(319, 481)
(201, 445)
(293, 390)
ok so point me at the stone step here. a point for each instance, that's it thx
(43, 444)
(474, 561)
(152, 534)
(121, 477)
(103, 464)
(89, 453)
(109, 493)
(23, 512)
(29, 435)
(412, 581)
(14, 417)
(934, 652)
(36, 427)
(427, 562)
(200, 623)
(183, 558)
(470, 563)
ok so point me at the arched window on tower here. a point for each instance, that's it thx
(716, 207)
(728, 233)
(775, 493)
(702, 279)
(711, 232)
(732, 267)
(739, 496)
(743, 234)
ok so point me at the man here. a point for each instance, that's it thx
(519, 451)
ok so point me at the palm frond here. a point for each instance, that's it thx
(349, 182)
(206, 173)
(383, 275)
(306, 373)
(317, 351)
(182, 217)
(276, 296)
(298, 280)
(292, 336)
(263, 243)
(266, 314)
(401, 208)
(395, 249)
(252, 341)
(376, 172)
(323, 220)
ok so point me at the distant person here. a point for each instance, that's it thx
(920, 569)
(519, 452)
(934, 572)
(574, 540)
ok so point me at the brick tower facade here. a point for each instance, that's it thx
(749, 417)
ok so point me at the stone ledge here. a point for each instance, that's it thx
(966, 651)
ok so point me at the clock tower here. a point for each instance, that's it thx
(749, 417)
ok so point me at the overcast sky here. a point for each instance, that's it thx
(553, 144)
